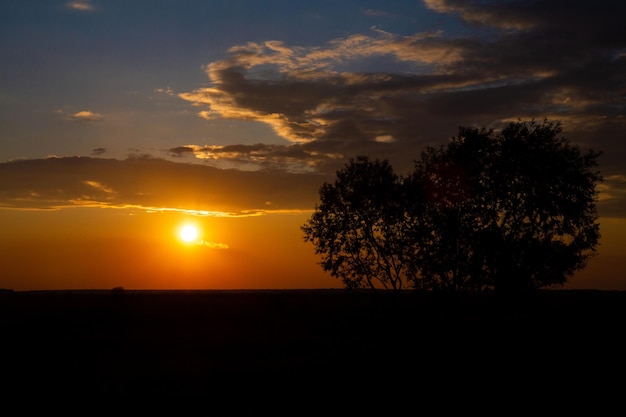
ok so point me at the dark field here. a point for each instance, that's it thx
(249, 351)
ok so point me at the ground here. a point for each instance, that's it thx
(323, 348)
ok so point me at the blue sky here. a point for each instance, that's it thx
(319, 81)
(121, 65)
(289, 91)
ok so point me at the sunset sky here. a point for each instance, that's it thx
(122, 121)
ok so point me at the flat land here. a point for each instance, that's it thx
(186, 345)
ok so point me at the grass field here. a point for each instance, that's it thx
(320, 347)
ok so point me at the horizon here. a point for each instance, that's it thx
(113, 291)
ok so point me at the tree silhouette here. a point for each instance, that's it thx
(512, 211)
(448, 184)
(358, 226)
(545, 192)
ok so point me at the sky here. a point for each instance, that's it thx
(122, 121)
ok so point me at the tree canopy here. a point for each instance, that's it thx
(510, 211)
(358, 226)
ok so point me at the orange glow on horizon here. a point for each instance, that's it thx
(91, 248)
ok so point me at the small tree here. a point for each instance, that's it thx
(358, 228)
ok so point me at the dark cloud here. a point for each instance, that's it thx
(551, 59)
(152, 184)
(289, 158)
(98, 151)
(181, 151)
(521, 60)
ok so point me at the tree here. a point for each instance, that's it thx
(449, 186)
(358, 227)
(514, 211)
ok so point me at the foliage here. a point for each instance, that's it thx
(512, 211)
(358, 226)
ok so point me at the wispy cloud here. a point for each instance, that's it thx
(167, 91)
(103, 189)
(213, 245)
(86, 116)
(613, 195)
(290, 158)
(379, 13)
(81, 5)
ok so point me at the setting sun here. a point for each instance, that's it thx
(188, 233)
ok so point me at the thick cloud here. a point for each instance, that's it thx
(159, 185)
(389, 96)
(153, 184)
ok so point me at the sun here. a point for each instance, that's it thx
(188, 233)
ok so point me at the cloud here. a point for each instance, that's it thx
(290, 158)
(378, 13)
(108, 192)
(167, 91)
(491, 14)
(214, 245)
(154, 185)
(390, 95)
(80, 5)
(86, 116)
(613, 196)
(98, 151)
(612, 187)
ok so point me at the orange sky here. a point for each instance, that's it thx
(121, 120)
(87, 248)
(101, 248)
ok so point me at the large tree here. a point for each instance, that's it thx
(449, 197)
(512, 211)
